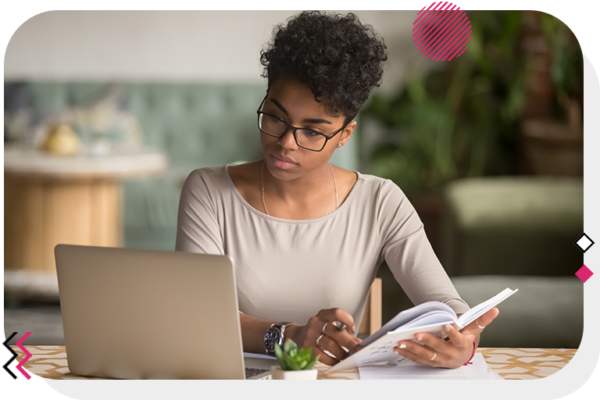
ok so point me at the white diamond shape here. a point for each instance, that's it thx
(584, 242)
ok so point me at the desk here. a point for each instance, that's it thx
(74, 200)
(512, 364)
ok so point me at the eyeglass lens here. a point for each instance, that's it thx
(275, 127)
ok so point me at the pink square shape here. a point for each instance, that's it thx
(584, 273)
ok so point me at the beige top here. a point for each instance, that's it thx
(288, 270)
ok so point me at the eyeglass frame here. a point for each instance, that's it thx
(294, 129)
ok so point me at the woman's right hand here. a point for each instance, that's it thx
(333, 340)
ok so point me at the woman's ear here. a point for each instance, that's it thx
(347, 132)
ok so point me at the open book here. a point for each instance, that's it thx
(427, 317)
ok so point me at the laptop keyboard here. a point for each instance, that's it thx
(250, 372)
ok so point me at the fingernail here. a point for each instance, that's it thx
(419, 337)
(354, 329)
(447, 328)
(402, 346)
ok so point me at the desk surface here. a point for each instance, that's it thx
(512, 364)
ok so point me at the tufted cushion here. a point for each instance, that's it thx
(198, 126)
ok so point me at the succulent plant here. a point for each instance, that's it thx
(293, 359)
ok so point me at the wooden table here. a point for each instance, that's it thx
(512, 364)
(73, 200)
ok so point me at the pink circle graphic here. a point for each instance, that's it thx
(441, 31)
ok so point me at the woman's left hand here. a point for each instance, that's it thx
(451, 353)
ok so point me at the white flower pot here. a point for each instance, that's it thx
(306, 374)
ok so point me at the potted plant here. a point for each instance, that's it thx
(294, 363)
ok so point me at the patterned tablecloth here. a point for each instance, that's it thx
(512, 364)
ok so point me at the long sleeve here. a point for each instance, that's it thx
(409, 254)
(198, 228)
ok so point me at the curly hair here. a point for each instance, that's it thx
(336, 56)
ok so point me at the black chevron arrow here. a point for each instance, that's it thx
(5, 343)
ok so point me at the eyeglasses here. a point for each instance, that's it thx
(274, 126)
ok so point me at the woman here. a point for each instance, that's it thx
(307, 237)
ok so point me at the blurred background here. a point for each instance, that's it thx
(106, 113)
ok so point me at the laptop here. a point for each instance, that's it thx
(149, 314)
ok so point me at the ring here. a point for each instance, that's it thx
(479, 326)
(323, 330)
(340, 325)
(434, 356)
(319, 338)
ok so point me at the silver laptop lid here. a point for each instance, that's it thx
(147, 314)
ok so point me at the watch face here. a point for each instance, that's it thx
(271, 338)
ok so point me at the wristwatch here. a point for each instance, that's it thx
(274, 336)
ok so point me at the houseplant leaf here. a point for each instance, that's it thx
(291, 358)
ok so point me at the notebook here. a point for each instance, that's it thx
(148, 314)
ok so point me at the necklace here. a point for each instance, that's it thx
(262, 178)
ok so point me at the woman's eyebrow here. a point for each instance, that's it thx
(309, 120)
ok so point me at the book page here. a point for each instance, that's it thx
(382, 348)
(484, 307)
(407, 369)
(407, 316)
(430, 318)
(378, 347)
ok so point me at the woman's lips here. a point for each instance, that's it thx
(282, 164)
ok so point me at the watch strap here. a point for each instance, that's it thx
(283, 325)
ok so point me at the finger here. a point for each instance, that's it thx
(340, 325)
(358, 347)
(480, 323)
(437, 344)
(323, 357)
(338, 314)
(343, 338)
(330, 345)
(488, 317)
(417, 353)
(316, 326)
(455, 336)
(316, 337)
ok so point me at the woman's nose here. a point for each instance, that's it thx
(287, 140)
